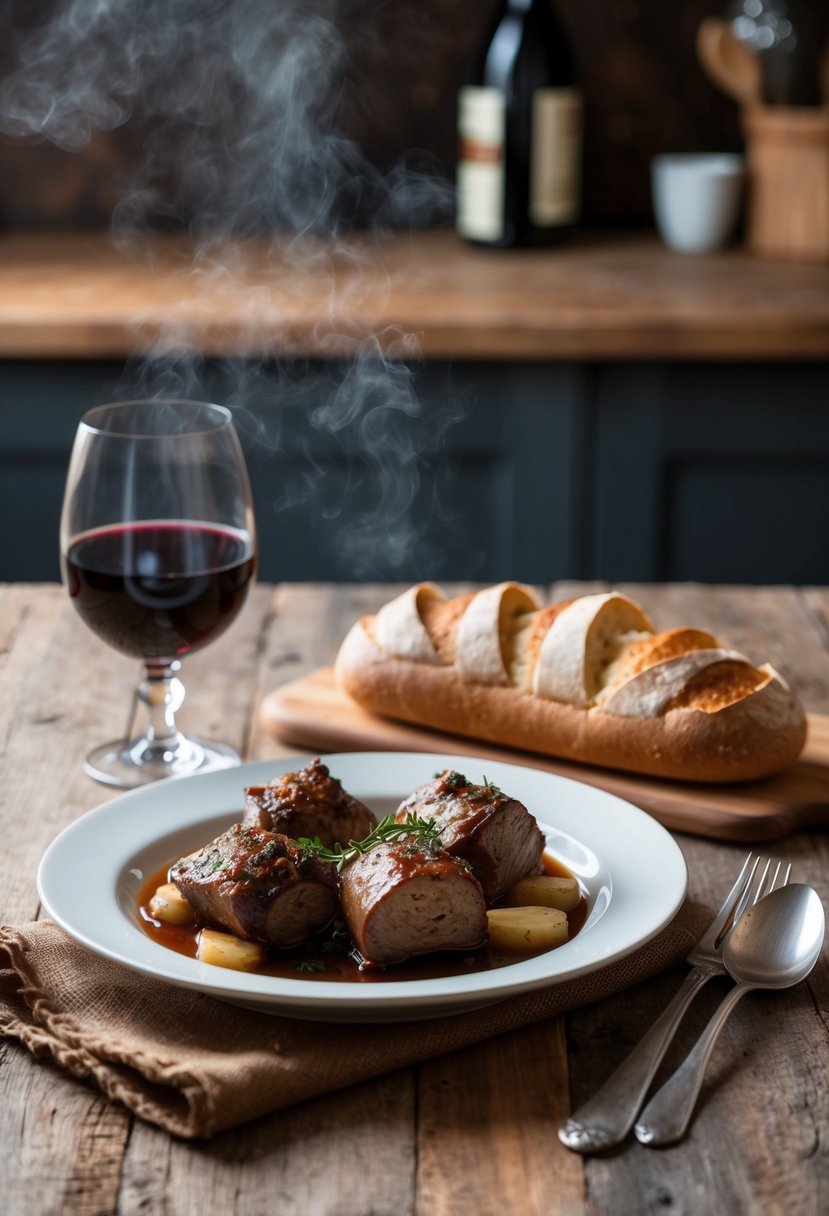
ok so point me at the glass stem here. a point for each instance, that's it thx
(161, 693)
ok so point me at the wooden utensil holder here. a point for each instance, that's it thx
(787, 151)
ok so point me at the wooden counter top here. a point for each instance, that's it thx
(80, 295)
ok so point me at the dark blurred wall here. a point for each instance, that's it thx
(645, 93)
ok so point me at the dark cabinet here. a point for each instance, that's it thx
(716, 473)
(536, 471)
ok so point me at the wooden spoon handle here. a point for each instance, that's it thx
(730, 64)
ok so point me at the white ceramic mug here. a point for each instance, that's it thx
(696, 199)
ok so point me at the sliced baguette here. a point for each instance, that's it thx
(610, 692)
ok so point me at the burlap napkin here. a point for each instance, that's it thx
(195, 1066)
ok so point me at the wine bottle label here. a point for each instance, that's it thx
(555, 163)
(481, 163)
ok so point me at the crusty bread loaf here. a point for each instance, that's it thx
(587, 680)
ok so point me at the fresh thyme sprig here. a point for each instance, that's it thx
(424, 832)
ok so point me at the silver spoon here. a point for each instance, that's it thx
(774, 945)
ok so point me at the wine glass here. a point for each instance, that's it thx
(158, 552)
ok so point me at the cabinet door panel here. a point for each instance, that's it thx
(748, 521)
(712, 473)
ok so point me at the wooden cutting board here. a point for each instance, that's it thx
(312, 713)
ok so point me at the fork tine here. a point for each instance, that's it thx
(770, 886)
(751, 892)
(764, 885)
(735, 902)
(780, 879)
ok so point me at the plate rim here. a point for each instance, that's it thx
(305, 997)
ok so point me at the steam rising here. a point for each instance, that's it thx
(240, 106)
(239, 102)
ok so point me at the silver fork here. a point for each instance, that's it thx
(666, 1117)
(609, 1115)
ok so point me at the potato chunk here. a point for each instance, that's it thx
(544, 891)
(170, 906)
(522, 930)
(225, 950)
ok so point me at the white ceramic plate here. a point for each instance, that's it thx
(632, 871)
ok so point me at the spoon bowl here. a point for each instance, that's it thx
(778, 941)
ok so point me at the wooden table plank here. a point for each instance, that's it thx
(351, 1154)
(474, 1130)
(488, 1118)
(64, 1143)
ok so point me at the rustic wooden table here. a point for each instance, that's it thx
(471, 1133)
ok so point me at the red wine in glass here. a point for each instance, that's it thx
(158, 591)
(158, 553)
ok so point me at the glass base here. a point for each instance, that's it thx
(127, 763)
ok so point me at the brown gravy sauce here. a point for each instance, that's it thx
(330, 957)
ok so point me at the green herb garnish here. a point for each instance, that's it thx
(424, 832)
(310, 965)
(491, 787)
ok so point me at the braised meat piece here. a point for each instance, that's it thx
(496, 834)
(308, 803)
(401, 898)
(260, 886)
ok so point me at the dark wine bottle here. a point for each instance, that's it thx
(519, 129)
